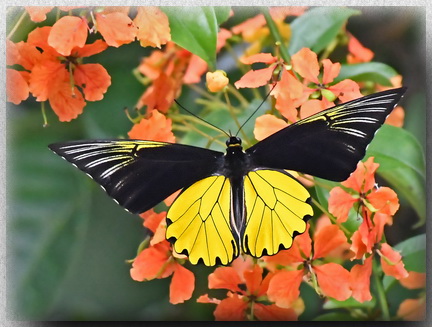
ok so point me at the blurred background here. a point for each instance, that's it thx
(67, 241)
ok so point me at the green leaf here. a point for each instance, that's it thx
(222, 14)
(369, 71)
(318, 27)
(48, 216)
(413, 252)
(402, 165)
(196, 28)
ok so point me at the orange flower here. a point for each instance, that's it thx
(158, 262)
(284, 286)
(305, 63)
(362, 182)
(247, 289)
(153, 27)
(357, 52)
(55, 77)
(216, 81)
(155, 128)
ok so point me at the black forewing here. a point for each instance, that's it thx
(328, 144)
(139, 174)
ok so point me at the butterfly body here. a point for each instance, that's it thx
(241, 200)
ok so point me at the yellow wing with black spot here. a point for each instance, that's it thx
(198, 222)
(276, 210)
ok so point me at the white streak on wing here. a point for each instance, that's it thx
(113, 169)
(351, 131)
(95, 153)
(104, 160)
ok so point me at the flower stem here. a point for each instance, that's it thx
(380, 290)
(276, 35)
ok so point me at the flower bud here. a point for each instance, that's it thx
(216, 81)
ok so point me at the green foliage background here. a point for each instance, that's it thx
(68, 241)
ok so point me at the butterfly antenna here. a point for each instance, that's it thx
(196, 116)
(265, 99)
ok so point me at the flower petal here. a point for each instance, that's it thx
(267, 125)
(90, 49)
(273, 313)
(391, 262)
(396, 117)
(17, 88)
(305, 62)
(284, 287)
(195, 69)
(328, 239)
(385, 200)
(93, 79)
(363, 178)
(155, 128)
(360, 280)
(149, 262)
(413, 309)
(116, 28)
(330, 71)
(266, 58)
(152, 219)
(253, 280)
(231, 309)
(255, 78)
(414, 280)
(153, 27)
(337, 288)
(206, 299)
(225, 277)
(66, 102)
(46, 77)
(182, 284)
(38, 13)
(346, 90)
(68, 32)
(357, 52)
(340, 203)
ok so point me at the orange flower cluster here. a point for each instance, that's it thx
(377, 206)
(168, 69)
(50, 61)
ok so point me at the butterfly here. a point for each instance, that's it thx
(240, 201)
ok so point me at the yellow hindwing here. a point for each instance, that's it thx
(275, 208)
(199, 222)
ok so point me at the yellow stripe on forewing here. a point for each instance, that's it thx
(200, 222)
(275, 209)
